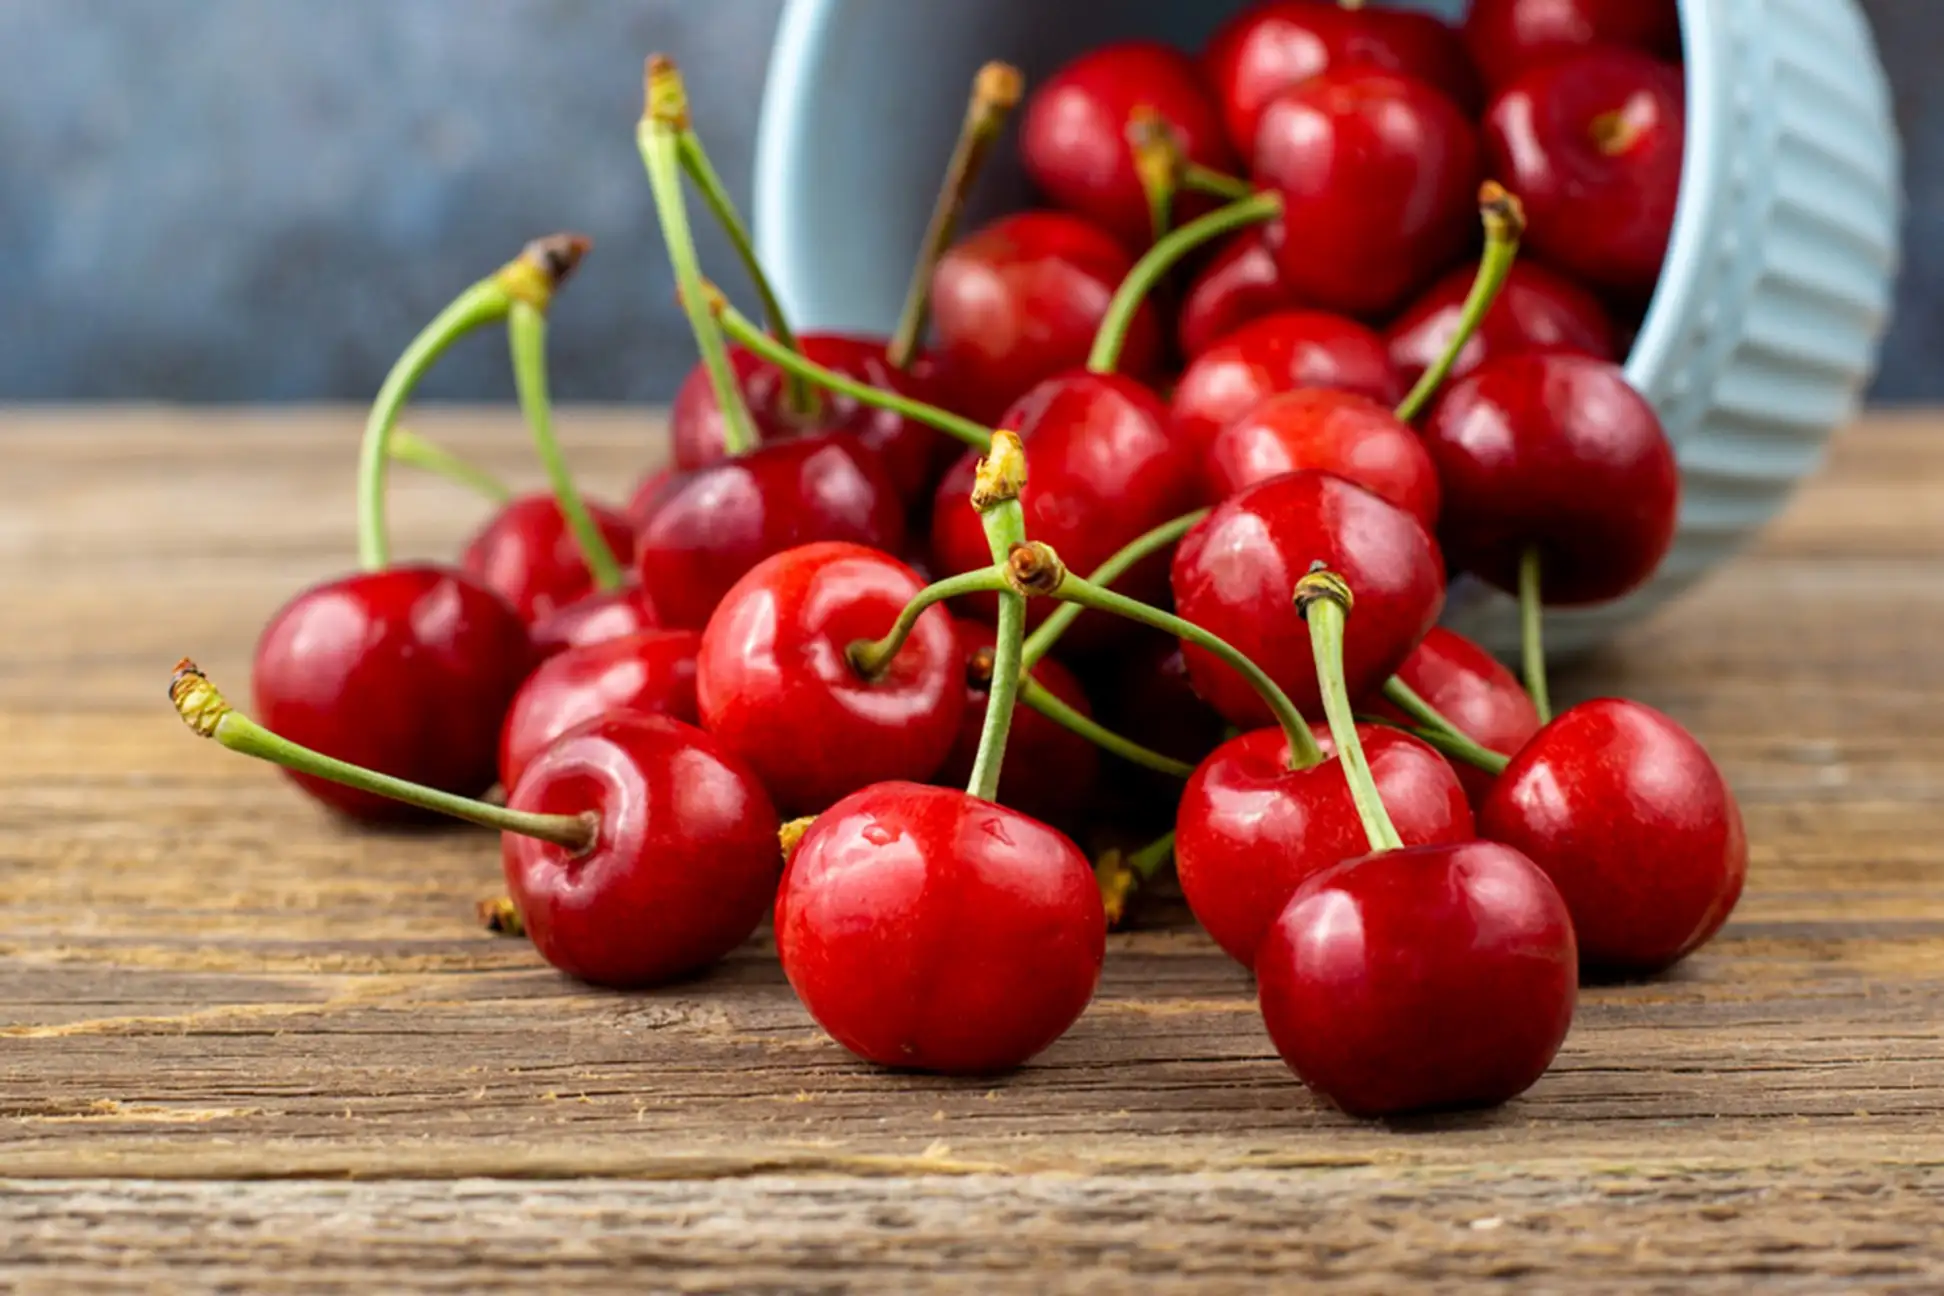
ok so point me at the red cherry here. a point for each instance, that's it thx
(609, 614)
(1019, 301)
(1593, 146)
(1049, 771)
(1379, 179)
(406, 671)
(1631, 820)
(710, 526)
(1536, 310)
(1558, 452)
(1267, 48)
(1250, 830)
(1330, 431)
(1278, 353)
(649, 494)
(1235, 573)
(1431, 977)
(1241, 284)
(1073, 136)
(653, 672)
(683, 868)
(1469, 687)
(1508, 38)
(923, 928)
(529, 555)
(775, 685)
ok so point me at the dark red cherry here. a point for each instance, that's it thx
(1073, 136)
(1019, 301)
(1634, 824)
(1536, 310)
(1558, 452)
(1250, 830)
(1267, 48)
(653, 671)
(529, 555)
(710, 526)
(649, 494)
(1379, 179)
(683, 869)
(1236, 572)
(1050, 771)
(1145, 694)
(406, 671)
(1241, 284)
(608, 614)
(1278, 353)
(1508, 38)
(1426, 978)
(1329, 431)
(775, 685)
(1469, 687)
(1592, 145)
(924, 928)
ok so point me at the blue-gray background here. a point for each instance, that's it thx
(263, 199)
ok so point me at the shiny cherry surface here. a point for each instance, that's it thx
(653, 671)
(1633, 822)
(1428, 978)
(1329, 431)
(923, 928)
(1241, 284)
(608, 614)
(529, 555)
(683, 869)
(1472, 689)
(1536, 310)
(1508, 38)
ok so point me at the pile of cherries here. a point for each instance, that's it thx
(1182, 584)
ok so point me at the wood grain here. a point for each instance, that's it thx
(241, 1045)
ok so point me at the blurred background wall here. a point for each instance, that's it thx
(260, 200)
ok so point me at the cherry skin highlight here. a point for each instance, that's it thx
(683, 869)
(406, 671)
(924, 928)
(529, 555)
(608, 614)
(1469, 687)
(1330, 431)
(653, 672)
(1234, 575)
(1508, 38)
(1536, 310)
(1241, 284)
(775, 686)
(1634, 824)
(1250, 830)
(1428, 978)
(1557, 452)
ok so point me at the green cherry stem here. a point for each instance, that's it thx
(658, 136)
(1532, 634)
(1042, 640)
(1043, 700)
(415, 451)
(1197, 178)
(1158, 162)
(1120, 874)
(995, 93)
(872, 657)
(205, 710)
(995, 494)
(1411, 703)
(1160, 259)
(1504, 218)
(1323, 599)
(1451, 743)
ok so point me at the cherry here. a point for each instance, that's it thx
(1536, 310)
(925, 928)
(1471, 689)
(650, 492)
(1508, 38)
(1241, 284)
(1379, 179)
(1018, 302)
(653, 671)
(1634, 824)
(1267, 48)
(610, 614)
(1145, 695)
(1331, 431)
(776, 685)
(1557, 455)
(529, 555)
(707, 528)
(1593, 145)
(1234, 572)
(1250, 829)
(1050, 771)
(407, 670)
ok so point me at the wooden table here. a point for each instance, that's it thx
(241, 1044)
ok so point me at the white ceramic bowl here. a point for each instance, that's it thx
(1757, 346)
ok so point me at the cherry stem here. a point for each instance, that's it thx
(1158, 162)
(1120, 874)
(1323, 599)
(995, 494)
(1197, 178)
(1532, 634)
(658, 136)
(1451, 743)
(526, 337)
(1160, 259)
(995, 93)
(1043, 700)
(763, 347)
(206, 711)
(872, 657)
(415, 451)
(1043, 639)
(1504, 219)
